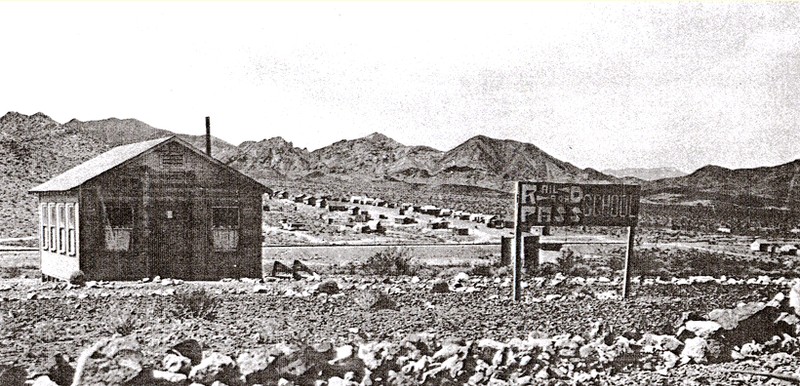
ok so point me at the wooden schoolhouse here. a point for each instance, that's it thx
(154, 208)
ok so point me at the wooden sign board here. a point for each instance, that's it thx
(567, 204)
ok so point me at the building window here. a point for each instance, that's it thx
(119, 216)
(51, 222)
(44, 224)
(225, 228)
(119, 224)
(225, 217)
(61, 222)
(72, 225)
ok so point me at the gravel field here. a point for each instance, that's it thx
(40, 320)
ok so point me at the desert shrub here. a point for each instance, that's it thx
(580, 269)
(392, 261)
(10, 272)
(77, 278)
(616, 262)
(195, 303)
(122, 322)
(545, 269)
(481, 270)
(46, 332)
(567, 261)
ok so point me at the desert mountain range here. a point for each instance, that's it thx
(646, 174)
(34, 148)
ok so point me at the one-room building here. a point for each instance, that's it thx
(154, 208)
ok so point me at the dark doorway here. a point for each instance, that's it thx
(171, 249)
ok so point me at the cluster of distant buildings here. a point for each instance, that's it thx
(774, 247)
(364, 223)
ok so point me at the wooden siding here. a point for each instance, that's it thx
(171, 191)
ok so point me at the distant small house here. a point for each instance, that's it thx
(354, 210)
(439, 224)
(321, 203)
(430, 210)
(404, 220)
(724, 229)
(461, 215)
(445, 213)
(374, 226)
(477, 217)
(355, 199)
(292, 226)
(495, 222)
(461, 231)
(367, 201)
(362, 217)
(310, 200)
(391, 205)
(407, 205)
(300, 198)
(379, 202)
(788, 249)
(337, 208)
(281, 194)
(760, 245)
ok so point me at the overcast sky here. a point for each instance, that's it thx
(602, 85)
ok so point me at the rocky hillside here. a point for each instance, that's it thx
(480, 161)
(646, 174)
(489, 162)
(777, 186)
(271, 158)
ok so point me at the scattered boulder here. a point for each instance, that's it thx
(112, 361)
(440, 287)
(189, 348)
(252, 362)
(59, 370)
(77, 278)
(702, 328)
(694, 349)
(166, 377)
(215, 367)
(330, 287)
(176, 363)
(374, 300)
(44, 380)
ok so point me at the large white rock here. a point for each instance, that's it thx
(702, 328)
(694, 349)
(214, 367)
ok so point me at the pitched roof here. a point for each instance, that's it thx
(96, 166)
(104, 162)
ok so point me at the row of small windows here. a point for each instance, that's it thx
(59, 223)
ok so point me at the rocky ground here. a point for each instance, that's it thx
(407, 330)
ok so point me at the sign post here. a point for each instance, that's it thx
(518, 243)
(626, 278)
(573, 204)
